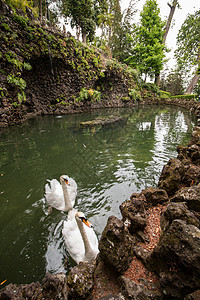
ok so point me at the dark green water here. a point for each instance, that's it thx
(108, 164)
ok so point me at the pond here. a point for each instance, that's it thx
(108, 163)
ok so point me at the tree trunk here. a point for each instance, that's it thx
(102, 33)
(84, 35)
(195, 79)
(78, 33)
(166, 30)
(40, 11)
(193, 82)
(169, 20)
(45, 13)
(157, 79)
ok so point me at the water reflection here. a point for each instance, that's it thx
(108, 163)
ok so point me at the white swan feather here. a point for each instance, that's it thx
(61, 195)
(81, 240)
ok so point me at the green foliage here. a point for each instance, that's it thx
(5, 26)
(115, 10)
(22, 4)
(11, 58)
(188, 38)
(50, 37)
(23, 21)
(20, 84)
(173, 82)
(2, 92)
(165, 95)
(92, 95)
(134, 74)
(61, 99)
(27, 66)
(186, 97)
(81, 13)
(96, 61)
(40, 30)
(188, 50)
(21, 96)
(17, 81)
(135, 95)
(197, 90)
(30, 36)
(122, 31)
(148, 53)
(151, 87)
(113, 64)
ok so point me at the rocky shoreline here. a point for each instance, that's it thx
(151, 253)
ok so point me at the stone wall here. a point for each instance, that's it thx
(42, 71)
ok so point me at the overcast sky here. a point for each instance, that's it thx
(187, 7)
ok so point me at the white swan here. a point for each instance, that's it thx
(61, 195)
(81, 240)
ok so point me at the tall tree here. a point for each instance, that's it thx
(104, 20)
(119, 27)
(148, 54)
(123, 38)
(172, 6)
(115, 10)
(81, 13)
(188, 51)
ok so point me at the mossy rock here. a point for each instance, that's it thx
(101, 121)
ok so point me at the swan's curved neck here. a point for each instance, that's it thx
(88, 250)
(68, 204)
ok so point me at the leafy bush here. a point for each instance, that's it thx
(113, 64)
(27, 66)
(19, 82)
(134, 74)
(164, 94)
(11, 58)
(21, 96)
(23, 21)
(151, 87)
(22, 4)
(187, 97)
(90, 94)
(134, 95)
(21, 85)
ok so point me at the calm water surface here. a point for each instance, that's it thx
(108, 164)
